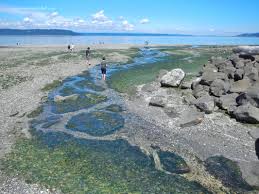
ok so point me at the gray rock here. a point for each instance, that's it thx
(239, 74)
(172, 78)
(189, 99)
(191, 117)
(250, 96)
(240, 86)
(229, 71)
(219, 87)
(205, 104)
(58, 98)
(234, 59)
(208, 77)
(226, 102)
(247, 114)
(251, 72)
(159, 101)
(186, 85)
(195, 82)
(251, 50)
(200, 90)
(210, 67)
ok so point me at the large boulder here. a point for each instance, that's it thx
(250, 96)
(173, 78)
(251, 50)
(208, 77)
(225, 102)
(240, 86)
(191, 117)
(186, 85)
(229, 71)
(205, 103)
(247, 114)
(219, 87)
(200, 90)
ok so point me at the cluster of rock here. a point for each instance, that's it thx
(230, 84)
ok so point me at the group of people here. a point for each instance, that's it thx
(103, 63)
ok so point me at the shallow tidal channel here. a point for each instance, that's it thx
(79, 142)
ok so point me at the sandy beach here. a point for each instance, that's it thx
(29, 73)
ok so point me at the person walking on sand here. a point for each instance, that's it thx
(87, 54)
(103, 68)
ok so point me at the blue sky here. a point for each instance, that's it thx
(206, 17)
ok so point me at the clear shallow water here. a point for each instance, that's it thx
(80, 40)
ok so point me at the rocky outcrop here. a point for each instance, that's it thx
(247, 113)
(173, 78)
(231, 84)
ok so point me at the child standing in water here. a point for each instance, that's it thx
(103, 68)
(87, 54)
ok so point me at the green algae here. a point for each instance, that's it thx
(97, 123)
(172, 162)
(59, 161)
(87, 84)
(228, 172)
(68, 90)
(36, 112)
(181, 57)
(81, 102)
(130, 53)
(114, 108)
(51, 86)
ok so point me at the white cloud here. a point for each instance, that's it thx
(100, 19)
(46, 18)
(212, 30)
(54, 14)
(144, 21)
(127, 26)
(27, 20)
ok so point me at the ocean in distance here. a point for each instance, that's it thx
(6, 40)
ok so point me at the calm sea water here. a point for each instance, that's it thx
(190, 40)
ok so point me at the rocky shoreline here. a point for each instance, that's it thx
(193, 116)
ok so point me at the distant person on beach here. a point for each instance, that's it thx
(70, 47)
(103, 68)
(87, 54)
